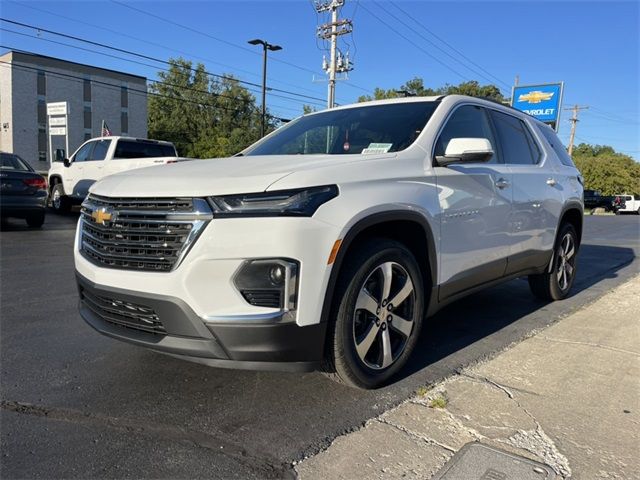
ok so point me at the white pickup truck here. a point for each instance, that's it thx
(629, 203)
(70, 179)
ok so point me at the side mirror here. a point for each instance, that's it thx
(67, 162)
(60, 155)
(466, 150)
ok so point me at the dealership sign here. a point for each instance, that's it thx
(540, 101)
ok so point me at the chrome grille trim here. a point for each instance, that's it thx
(142, 234)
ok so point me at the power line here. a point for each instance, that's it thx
(450, 46)
(394, 30)
(166, 47)
(148, 57)
(145, 64)
(208, 35)
(129, 89)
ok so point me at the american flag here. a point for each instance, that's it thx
(105, 130)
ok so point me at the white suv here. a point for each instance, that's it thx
(327, 243)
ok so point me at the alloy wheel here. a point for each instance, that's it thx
(566, 262)
(384, 315)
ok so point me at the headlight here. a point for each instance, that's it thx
(295, 203)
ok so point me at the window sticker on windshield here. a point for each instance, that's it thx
(378, 148)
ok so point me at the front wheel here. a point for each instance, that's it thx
(556, 282)
(59, 201)
(377, 314)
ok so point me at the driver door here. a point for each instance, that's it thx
(475, 208)
(74, 173)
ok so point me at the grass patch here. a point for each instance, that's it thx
(438, 402)
(422, 391)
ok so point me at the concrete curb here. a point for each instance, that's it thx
(536, 399)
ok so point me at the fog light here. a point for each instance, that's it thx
(269, 283)
(277, 274)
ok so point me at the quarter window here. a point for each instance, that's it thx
(518, 146)
(468, 121)
(556, 145)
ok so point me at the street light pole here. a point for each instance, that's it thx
(274, 48)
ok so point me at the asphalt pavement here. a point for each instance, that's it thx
(75, 404)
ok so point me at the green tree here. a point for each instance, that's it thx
(606, 170)
(415, 87)
(203, 117)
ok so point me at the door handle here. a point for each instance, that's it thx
(501, 183)
(551, 182)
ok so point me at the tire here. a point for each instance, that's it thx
(556, 284)
(59, 201)
(35, 220)
(364, 350)
(638, 211)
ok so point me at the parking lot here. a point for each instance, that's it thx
(78, 405)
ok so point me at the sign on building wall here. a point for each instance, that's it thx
(543, 102)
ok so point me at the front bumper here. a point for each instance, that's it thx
(249, 344)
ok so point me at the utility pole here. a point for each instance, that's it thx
(274, 48)
(574, 121)
(331, 31)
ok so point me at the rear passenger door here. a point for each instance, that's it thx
(475, 207)
(537, 196)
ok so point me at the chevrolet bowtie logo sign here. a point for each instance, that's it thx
(535, 97)
(101, 216)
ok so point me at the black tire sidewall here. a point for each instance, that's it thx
(556, 292)
(373, 255)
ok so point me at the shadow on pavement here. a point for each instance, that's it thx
(482, 314)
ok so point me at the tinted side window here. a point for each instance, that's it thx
(133, 149)
(82, 155)
(467, 121)
(514, 139)
(100, 150)
(556, 145)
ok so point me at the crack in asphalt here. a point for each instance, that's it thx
(264, 465)
(590, 344)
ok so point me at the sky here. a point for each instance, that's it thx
(592, 46)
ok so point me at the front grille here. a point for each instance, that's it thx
(144, 234)
(124, 314)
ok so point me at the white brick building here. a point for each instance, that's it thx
(28, 82)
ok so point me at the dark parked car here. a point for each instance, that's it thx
(593, 199)
(23, 193)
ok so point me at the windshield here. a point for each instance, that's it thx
(367, 129)
(13, 162)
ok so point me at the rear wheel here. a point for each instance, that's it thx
(59, 201)
(556, 282)
(35, 220)
(377, 314)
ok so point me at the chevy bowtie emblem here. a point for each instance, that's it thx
(101, 216)
(535, 97)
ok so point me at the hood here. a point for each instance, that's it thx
(216, 176)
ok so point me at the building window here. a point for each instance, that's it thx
(42, 112)
(124, 97)
(86, 89)
(124, 122)
(87, 117)
(42, 83)
(87, 135)
(42, 144)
